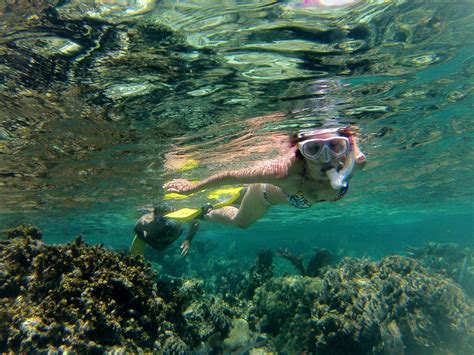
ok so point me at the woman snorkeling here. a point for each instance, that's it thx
(316, 168)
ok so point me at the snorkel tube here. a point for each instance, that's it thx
(340, 179)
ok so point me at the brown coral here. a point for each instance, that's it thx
(76, 297)
(23, 231)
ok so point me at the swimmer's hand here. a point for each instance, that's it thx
(181, 186)
(352, 132)
(185, 248)
(349, 131)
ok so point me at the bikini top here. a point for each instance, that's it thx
(298, 200)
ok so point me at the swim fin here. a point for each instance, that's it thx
(188, 214)
(138, 246)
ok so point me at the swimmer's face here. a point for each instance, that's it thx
(326, 149)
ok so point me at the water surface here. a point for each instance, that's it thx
(104, 101)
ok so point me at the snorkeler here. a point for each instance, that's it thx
(160, 232)
(317, 167)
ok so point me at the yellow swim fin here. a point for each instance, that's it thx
(174, 196)
(137, 247)
(217, 194)
(237, 191)
(178, 196)
(188, 214)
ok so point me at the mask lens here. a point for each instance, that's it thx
(338, 146)
(312, 149)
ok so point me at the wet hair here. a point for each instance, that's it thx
(294, 140)
(163, 208)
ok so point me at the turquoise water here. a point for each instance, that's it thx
(103, 104)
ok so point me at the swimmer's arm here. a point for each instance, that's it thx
(360, 159)
(352, 132)
(193, 228)
(268, 172)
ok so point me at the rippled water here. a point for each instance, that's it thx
(104, 101)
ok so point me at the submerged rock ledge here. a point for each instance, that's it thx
(81, 298)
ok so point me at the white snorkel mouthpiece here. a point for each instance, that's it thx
(340, 179)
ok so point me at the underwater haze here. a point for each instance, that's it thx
(103, 102)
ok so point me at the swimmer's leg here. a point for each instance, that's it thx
(252, 208)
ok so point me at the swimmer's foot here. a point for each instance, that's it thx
(204, 210)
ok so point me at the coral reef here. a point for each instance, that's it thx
(23, 231)
(239, 337)
(283, 310)
(202, 319)
(296, 261)
(261, 271)
(391, 306)
(74, 297)
(79, 298)
(450, 260)
(317, 262)
(235, 284)
(319, 259)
